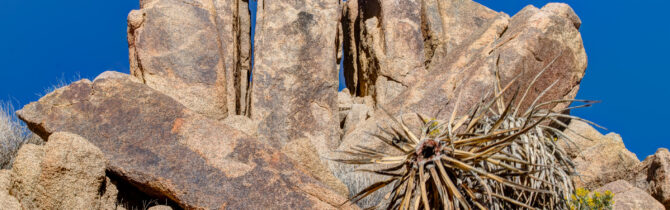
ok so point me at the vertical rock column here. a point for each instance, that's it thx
(385, 39)
(295, 80)
(244, 57)
(193, 51)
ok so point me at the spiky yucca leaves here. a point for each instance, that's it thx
(492, 158)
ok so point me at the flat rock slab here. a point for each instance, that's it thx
(168, 151)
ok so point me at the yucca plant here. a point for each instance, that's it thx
(494, 157)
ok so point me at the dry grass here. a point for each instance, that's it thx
(12, 135)
(59, 83)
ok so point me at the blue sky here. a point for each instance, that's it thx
(627, 44)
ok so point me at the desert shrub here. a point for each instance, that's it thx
(584, 199)
(12, 135)
(496, 156)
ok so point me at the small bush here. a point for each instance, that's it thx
(584, 199)
(12, 135)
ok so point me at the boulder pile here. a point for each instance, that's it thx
(191, 128)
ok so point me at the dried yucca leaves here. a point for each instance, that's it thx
(495, 157)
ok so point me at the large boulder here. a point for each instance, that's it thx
(7, 201)
(67, 172)
(295, 81)
(543, 43)
(169, 152)
(471, 43)
(194, 51)
(599, 159)
(628, 197)
(653, 176)
(25, 175)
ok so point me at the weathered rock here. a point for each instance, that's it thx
(599, 159)
(26, 174)
(72, 173)
(160, 207)
(7, 201)
(168, 151)
(465, 63)
(35, 139)
(358, 114)
(114, 75)
(295, 78)
(108, 199)
(628, 197)
(383, 44)
(521, 46)
(194, 51)
(344, 102)
(67, 172)
(242, 123)
(653, 176)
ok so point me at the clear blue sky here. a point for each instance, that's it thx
(627, 45)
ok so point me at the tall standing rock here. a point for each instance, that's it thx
(295, 80)
(385, 39)
(195, 51)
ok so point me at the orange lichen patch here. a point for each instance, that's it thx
(177, 125)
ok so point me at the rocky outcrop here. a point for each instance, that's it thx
(471, 46)
(344, 102)
(383, 43)
(628, 197)
(7, 201)
(169, 152)
(25, 175)
(353, 110)
(294, 95)
(67, 172)
(653, 176)
(358, 114)
(188, 127)
(195, 51)
(599, 159)
(242, 123)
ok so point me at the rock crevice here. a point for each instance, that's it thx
(197, 52)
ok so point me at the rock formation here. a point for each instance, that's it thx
(6, 200)
(543, 43)
(599, 159)
(192, 127)
(294, 94)
(195, 51)
(168, 151)
(628, 197)
(67, 172)
(653, 176)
